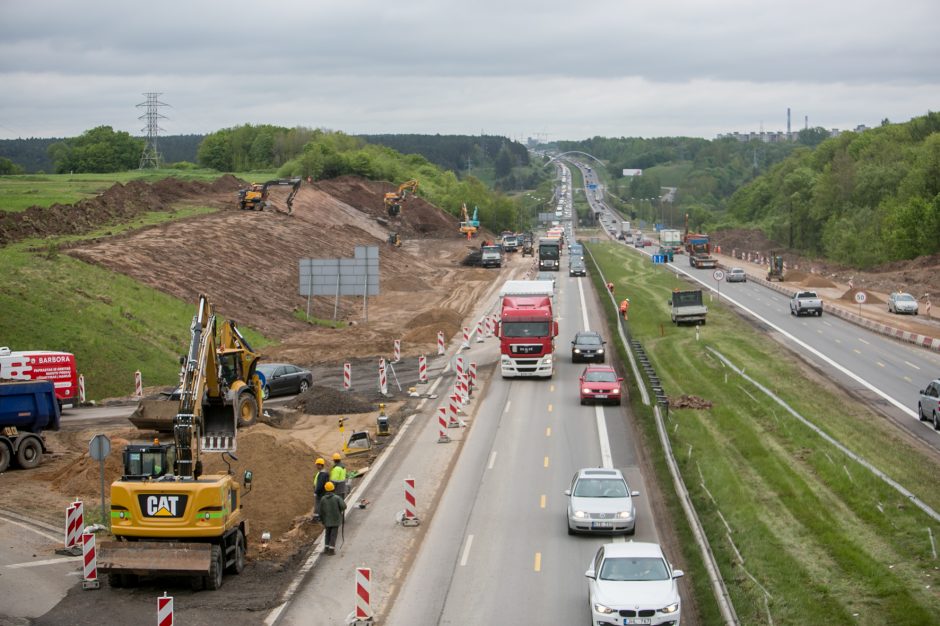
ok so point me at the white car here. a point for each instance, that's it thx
(599, 499)
(632, 583)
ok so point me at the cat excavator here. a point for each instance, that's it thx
(394, 199)
(167, 517)
(255, 198)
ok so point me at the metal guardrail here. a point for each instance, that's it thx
(720, 590)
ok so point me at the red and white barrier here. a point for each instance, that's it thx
(138, 385)
(74, 523)
(411, 502)
(440, 342)
(165, 610)
(81, 388)
(90, 560)
(466, 337)
(363, 593)
(463, 389)
(472, 372)
(396, 351)
(480, 331)
(442, 425)
(488, 326)
(347, 376)
(458, 365)
(383, 378)
(422, 369)
(453, 405)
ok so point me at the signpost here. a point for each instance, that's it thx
(719, 275)
(860, 297)
(98, 449)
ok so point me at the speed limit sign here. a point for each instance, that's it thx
(860, 297)
(718, 274)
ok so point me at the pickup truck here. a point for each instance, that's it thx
(805, 303)
(687, 307)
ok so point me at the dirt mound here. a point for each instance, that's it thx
(870, 298)
(423, 328)
(689, 402)
(817, 281)
(327, 401)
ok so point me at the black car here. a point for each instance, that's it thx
(283, 378)
(587, 346)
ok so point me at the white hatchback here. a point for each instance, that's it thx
(632, 583)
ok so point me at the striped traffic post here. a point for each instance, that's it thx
(81, 388)
(453, 405)
(74, 523)
(440, 343)
(422, 369)
(396, 351)
(473, 375)
(480, 331)
(347, 376)
(363, 593)
(466, 337)
(90, 560)
(165, 610)
(410, 517)
(383, 379)
(458, 365)
(138, 385)
(442, 425)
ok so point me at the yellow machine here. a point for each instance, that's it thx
(232, 389)
(394, 199)
(167, 518)
(394, 239)
(255, 198)
(468, 226)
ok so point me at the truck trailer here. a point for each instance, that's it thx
(27, 408)
(527, 329)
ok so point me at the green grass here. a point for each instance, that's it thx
(18, 193)
(316, 321)
(671, 175)
(829, 541)
(111, 323)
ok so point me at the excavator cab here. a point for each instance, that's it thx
(148, 461)
(394, 239)
(394, 199)
(775, 271)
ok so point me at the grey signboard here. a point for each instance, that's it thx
(358, 276)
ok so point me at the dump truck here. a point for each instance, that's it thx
(27, 408)
(527, 328)
(167, 517)
(687, 307)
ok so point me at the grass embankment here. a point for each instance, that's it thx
(801, 533)
(18, 193)
(113, 324)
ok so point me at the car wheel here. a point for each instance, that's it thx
(920, 415)
(936, 421)
(265, 392)
(304, 386)
(632, 531)
(819, 313)
(583, 402)
(570, 529)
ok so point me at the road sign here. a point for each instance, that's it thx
(592, 186)
(718, 274)
(860, 297)
(99, 447)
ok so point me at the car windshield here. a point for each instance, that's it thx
(525, 329)
(600, 376)
(905, 297)
(636, 568)
(588, 340)
(600, 488)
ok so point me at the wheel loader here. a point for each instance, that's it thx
(166, 516)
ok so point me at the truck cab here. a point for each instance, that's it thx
(687, 307)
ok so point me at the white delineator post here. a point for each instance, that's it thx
(422, 369)
(138, 385)
(397, 351)
(442, 425)
(363, 593)
(383, 379)
(90, 559)
(347, 376)
(410, 517)
(165, 610)
(440, 343)
(81, 388)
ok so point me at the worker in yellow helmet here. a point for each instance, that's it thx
(332, 507)
(319, 487)
(338, 475)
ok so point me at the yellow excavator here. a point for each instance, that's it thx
(469, 227)
(255, 197)
(232, 387)
(166, 516)
(394, 199)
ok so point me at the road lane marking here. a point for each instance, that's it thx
(880, 364)
(912, 365)
(838, 340)
(466, 551)
(864, 342)
(551, 387)
(549, 408)
(548, 431)
(66, 559)
(508, 402)
(819, 331)
(606, 458)
(538, 561)
(908, 379)
(32, 528)
(546, 461)
(856, 351)
(542, 502)
(828, 324)
(492, 460)
(584, 315)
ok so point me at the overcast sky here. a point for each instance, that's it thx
(518, 68)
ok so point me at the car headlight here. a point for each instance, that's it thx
(625, 514)
(600, 608)
(585, 390)
(577, 350)
(580, 514)
(600, 351)
(672, 608)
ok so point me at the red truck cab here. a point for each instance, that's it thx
(527, 330)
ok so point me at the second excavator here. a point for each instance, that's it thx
(394, 199)
(255, 198)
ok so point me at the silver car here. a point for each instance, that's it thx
(600, 500)
(736, 275)
(928, 406)
(902, 303)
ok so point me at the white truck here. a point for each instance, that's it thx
(687, 307)
(671, 239)
(806, 303)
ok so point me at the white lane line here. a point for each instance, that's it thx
(607, 460)
(65, 559)
(908, 379)
(584, 315)
(492, 460)
(32, 528)
(828, 324)
(864, 342)
(912, 365)
(880, 364)
(508, 403)
(466, 551)
(856, 351)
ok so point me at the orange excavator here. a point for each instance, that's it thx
(394, 199)
(255, 198)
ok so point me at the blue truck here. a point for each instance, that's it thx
(27, 408)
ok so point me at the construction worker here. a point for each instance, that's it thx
(624, 306)
(610, 287)
(319, 484)
(338, 475)
(332, 507)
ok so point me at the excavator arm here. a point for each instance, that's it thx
(255, 198)
(393, 199)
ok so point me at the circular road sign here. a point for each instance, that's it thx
(99, 447)
(718, 274)
(860, 297)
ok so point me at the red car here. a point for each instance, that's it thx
(601, 384)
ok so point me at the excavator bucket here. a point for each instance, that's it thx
(155, 557)
(155, 415)
(219, 424)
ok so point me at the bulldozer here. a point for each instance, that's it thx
(394, 199)
(775, 269)
(232, 389)
(166, 516)
(255, 197)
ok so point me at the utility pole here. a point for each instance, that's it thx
(150, 158)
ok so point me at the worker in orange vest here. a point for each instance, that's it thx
(624, 306)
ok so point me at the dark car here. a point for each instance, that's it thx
(283, 378)
(587, 346)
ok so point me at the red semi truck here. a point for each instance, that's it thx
(59, 367)
(527, 329)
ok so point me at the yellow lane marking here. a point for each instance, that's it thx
(542, 502)
(538, 561)
(551, 387)
(880, 364)
(856, 351)
(546, 461)
(549, 408)
(548, 431)
(908, 379)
